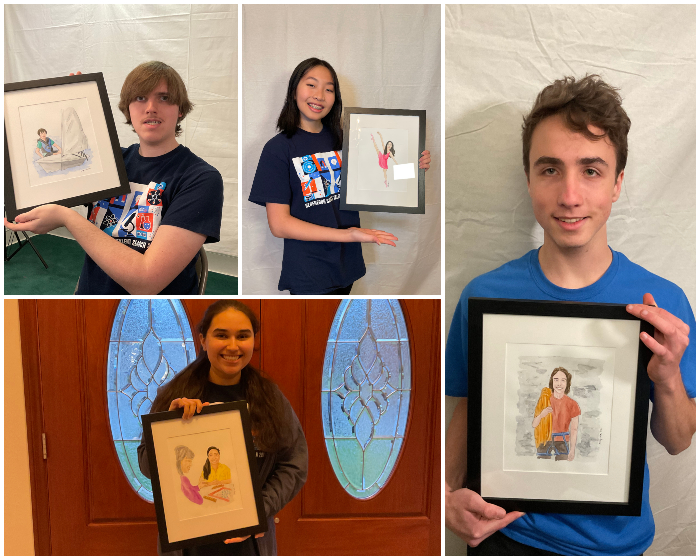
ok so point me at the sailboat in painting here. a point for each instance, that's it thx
(74, 144)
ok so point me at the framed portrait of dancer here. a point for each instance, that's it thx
(381, 149)
(61, 144)
(204, 475)
(558, 405)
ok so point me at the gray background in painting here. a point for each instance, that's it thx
(533, 376)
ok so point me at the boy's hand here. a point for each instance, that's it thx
(471, 518)
(40, 220)
(668, 343)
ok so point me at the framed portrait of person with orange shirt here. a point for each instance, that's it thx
(558, 404)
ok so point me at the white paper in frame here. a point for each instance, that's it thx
(365, 179)
(613, 342)
(240, 511)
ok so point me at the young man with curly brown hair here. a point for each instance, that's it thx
(574, 155)
(146, 242)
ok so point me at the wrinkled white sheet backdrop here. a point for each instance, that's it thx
(497, 58)
(199, 41)
(385, 56)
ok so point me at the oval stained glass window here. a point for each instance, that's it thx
(365, 393)
(151, 341)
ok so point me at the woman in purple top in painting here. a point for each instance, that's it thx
(183, 463)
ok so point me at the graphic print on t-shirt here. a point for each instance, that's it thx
(131, 218)
(320, 177)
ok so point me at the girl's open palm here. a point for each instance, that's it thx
(377, 236)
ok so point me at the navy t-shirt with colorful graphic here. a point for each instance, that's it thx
(176, 189)
(304, 172)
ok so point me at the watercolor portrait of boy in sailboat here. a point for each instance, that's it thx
(75, 155)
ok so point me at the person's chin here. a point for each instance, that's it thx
(230, 372)
(570, 241)
(155, 135)
(152, 136)
(311, 116)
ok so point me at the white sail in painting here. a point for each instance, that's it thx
(73, 141)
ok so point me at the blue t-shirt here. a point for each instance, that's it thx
(624, 282)
(304, 172)
(176, 189)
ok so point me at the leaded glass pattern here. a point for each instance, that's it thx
(151, 341)
(365, 393)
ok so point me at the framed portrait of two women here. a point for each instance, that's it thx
(204, 475)
(558, 405)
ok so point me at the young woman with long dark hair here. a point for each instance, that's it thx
(222, 373)
(298, 181)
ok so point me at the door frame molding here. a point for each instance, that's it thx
(38, 474)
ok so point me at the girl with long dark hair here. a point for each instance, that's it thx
(298, 181)
(389, 152)
(214, 472)
(222, 373)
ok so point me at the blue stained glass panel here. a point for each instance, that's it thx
(151, 341)
(365, 393)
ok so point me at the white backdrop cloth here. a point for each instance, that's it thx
(386, 56)
(497, 58)
(199, 41)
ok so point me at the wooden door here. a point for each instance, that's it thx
(83, 503)
(404, 518)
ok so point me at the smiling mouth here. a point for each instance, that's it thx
(570, 220)
(230, 358)
(315, 108)
(152, 123)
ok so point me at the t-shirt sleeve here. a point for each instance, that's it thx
(574, 409)
(688, 361)
(197, 206)
(456, 351)
(271, 182)
(681, 309)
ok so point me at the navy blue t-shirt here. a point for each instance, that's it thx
(176, 189)
(304, 172)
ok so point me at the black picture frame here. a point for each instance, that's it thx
(153, 449)
(113, 180)
(348, 181)
(478, 309)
